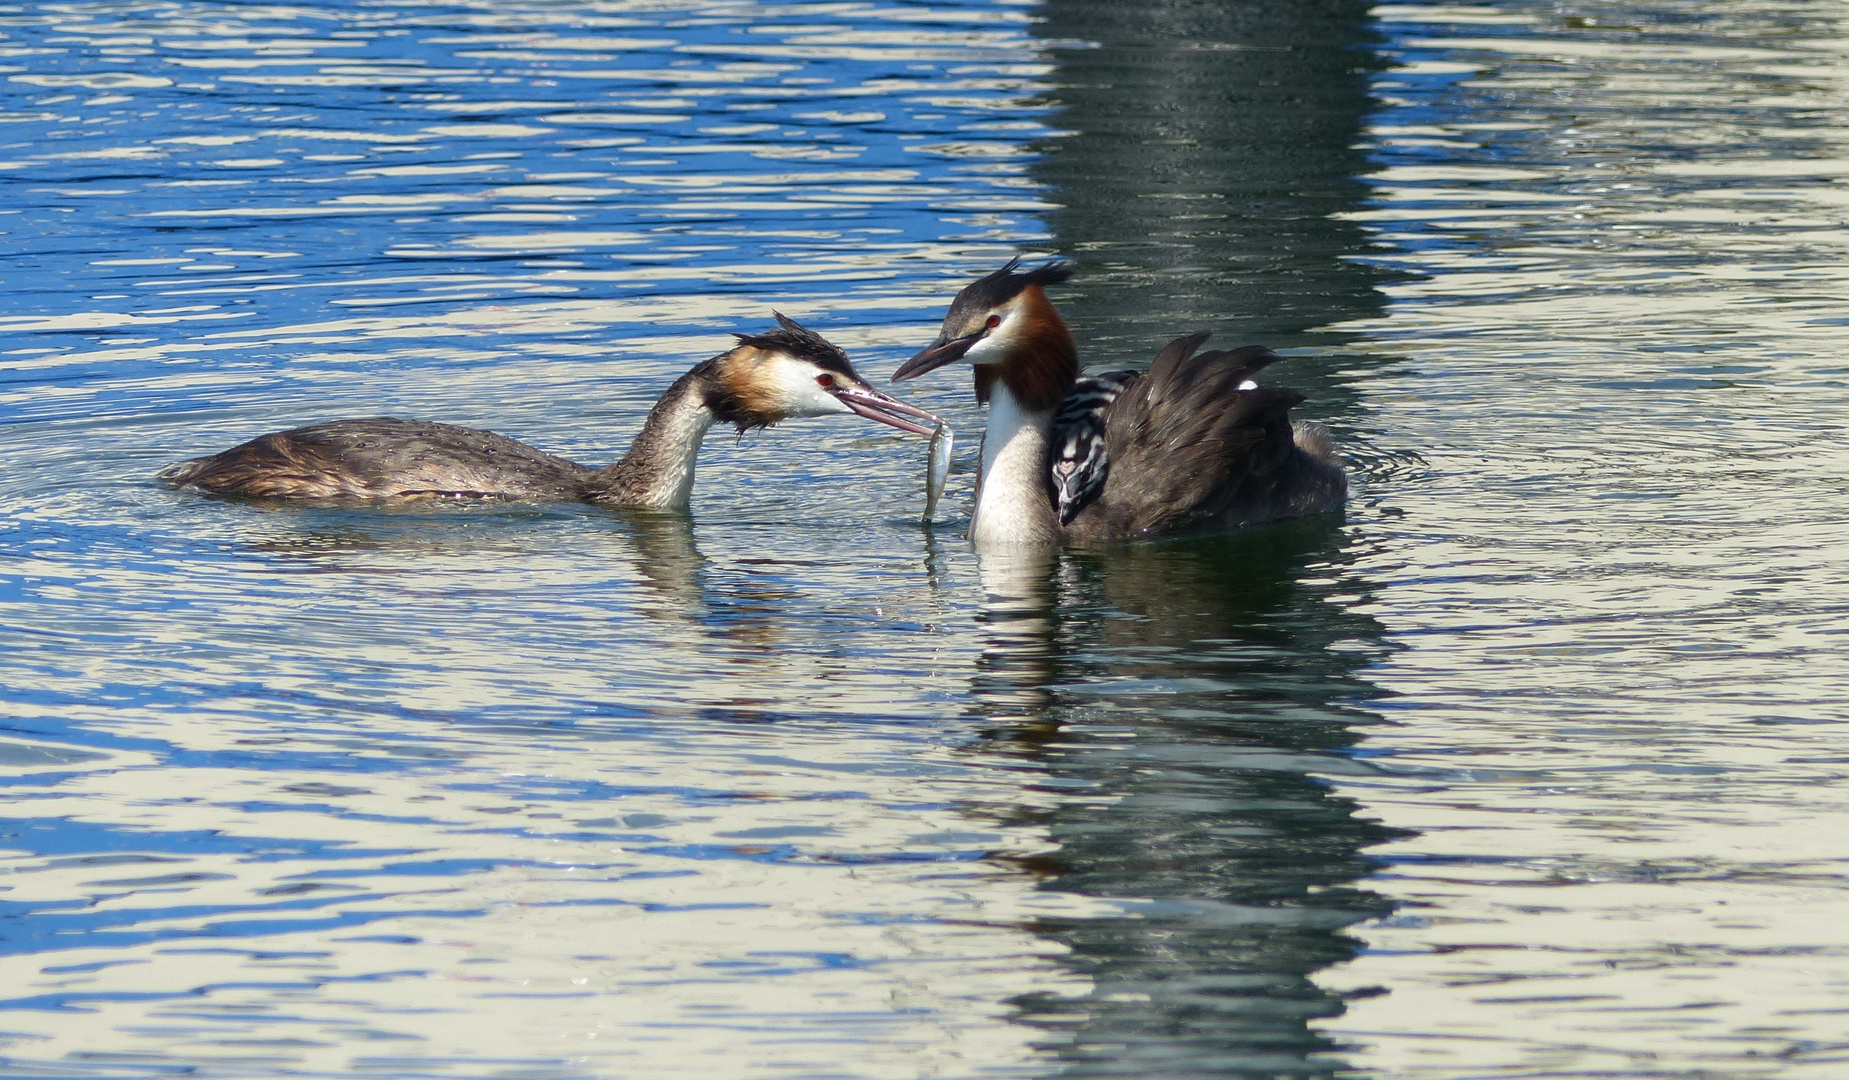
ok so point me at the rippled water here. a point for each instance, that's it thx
(1620, 713)
(1531, 766)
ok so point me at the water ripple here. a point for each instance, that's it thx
(1617, 573)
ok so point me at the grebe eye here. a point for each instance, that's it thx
(824, 379)
(994, 321)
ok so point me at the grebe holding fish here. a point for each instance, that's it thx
(786, 372)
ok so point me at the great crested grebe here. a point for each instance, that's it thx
(768, 377)
(1194, 445)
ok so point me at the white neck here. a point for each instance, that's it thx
(681, 436)
(657, 472)
(1014, 499)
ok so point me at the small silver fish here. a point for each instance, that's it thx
(937, 467)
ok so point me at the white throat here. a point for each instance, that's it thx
(682, 436)
(1014, 501)
(657, 472)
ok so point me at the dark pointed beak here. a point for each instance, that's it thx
(870, 403)
(940, 352)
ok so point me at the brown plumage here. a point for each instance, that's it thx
(381, 458)
(1043, 362)
(1191, 452)
(768, 377)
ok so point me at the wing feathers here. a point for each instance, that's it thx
(1171, 356)
(1189, 447)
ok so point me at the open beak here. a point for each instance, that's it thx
(874, 405)
(940, 352)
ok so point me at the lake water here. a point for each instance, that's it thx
(1533, 765)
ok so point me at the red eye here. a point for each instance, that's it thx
(994, 321)
(824, 379)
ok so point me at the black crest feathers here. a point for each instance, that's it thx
(994, 290)
(798, 340)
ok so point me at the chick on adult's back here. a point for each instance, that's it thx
(1194, 445)
(768, 377)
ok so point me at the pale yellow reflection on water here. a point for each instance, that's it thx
(1621, 577)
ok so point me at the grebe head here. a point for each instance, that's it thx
(793, 371)
(995, 319)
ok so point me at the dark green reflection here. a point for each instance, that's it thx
(1210, 146)
(1179, 696)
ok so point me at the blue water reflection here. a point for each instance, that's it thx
(792, 785)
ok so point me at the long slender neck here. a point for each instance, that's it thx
(657, 472)
(1014, 495)
(1014, 499)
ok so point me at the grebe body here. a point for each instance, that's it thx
(768, 377)
(1193, 445)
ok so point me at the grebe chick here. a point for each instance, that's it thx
(1081, 456)
(1194, 445)
(768, 377)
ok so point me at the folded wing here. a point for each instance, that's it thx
(1196, 444)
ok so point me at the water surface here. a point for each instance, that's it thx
(1618, 720)
(1525, 767)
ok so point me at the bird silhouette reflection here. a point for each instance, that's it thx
(1185, 700)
